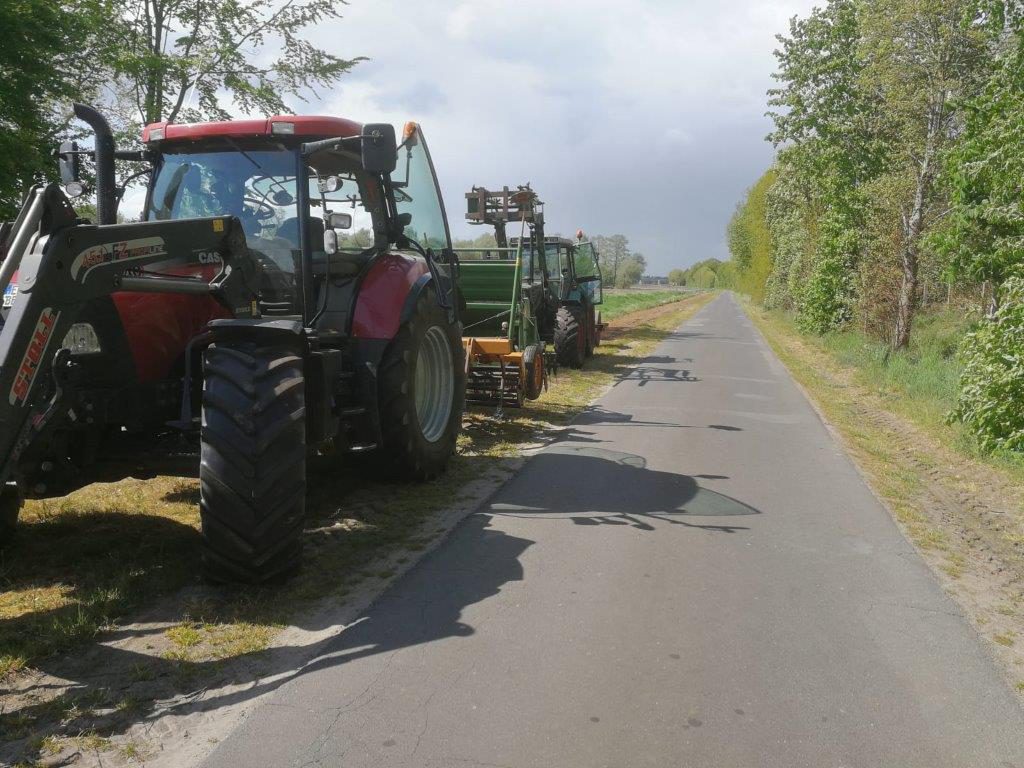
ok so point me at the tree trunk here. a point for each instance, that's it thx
(908, 297)
(912, 226)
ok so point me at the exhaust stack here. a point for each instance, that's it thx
(106, 186)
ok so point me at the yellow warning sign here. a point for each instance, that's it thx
(218, 225)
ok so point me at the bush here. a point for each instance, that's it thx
(991, 399)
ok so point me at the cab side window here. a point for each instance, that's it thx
(416, 194)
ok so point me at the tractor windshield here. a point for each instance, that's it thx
(259, 187)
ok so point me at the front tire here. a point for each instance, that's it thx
(422, 384)
(252, 473)
(570, 337)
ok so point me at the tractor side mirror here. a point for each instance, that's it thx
(339, 221)
(70, 168)
(335, 221)
(379, 148)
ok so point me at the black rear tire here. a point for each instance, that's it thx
(411, 449)
(252, 473)
(569, 338)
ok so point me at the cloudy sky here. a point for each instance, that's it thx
(641, 117)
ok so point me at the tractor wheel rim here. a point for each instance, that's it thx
(434, 384)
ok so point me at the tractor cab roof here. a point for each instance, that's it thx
(280, 127)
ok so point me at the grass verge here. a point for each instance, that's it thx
(963, 510)
(120, 559)
(621, 301)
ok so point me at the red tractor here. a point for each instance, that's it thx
(289, 289)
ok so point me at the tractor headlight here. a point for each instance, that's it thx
(81, 339)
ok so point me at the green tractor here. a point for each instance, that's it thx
(560, 278)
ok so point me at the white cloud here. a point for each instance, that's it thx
(645, 118)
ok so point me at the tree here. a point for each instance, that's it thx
(486, 240)
(180, 59)
(40, 72)
(829, 124)
(984, 234)
(750, 240)
(631, 270)
(612, 250)
(921, 56)
(677, 277)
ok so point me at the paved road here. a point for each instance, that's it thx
(696, 576)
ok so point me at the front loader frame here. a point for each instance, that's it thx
(62, 264)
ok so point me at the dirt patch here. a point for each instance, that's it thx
(966, 518)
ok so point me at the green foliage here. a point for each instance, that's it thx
(631, 270)
(750, 239)
(677, 277)
(39, 73)
(991, 401)
(706, 274)
(182, 59)
(620, 266)
(867, 100)
(486, 240)
(984, 235)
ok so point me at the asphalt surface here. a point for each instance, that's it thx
(696, 576)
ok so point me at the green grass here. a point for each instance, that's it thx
(920, 383)
(621, 301)
(924, 377)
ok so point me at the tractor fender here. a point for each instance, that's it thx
(413, 296)
(255, 329)
(388, 294)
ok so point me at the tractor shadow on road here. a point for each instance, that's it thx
(619, 490)
(106, 688)
(598, 416)
(113, 687)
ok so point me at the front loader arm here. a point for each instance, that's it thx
(65, 265)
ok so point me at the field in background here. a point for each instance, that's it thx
(619, 301)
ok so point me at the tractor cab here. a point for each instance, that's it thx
(304, 194)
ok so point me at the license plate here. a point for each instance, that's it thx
(9, 294)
